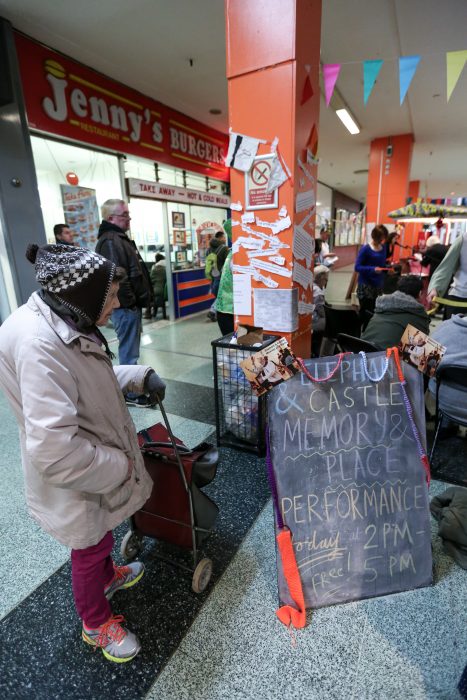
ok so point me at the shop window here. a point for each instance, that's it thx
(166, 175)
(85, 168)
(140, 168)
(147, 227)
(195, 182)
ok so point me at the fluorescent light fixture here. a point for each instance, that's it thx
(348, 121)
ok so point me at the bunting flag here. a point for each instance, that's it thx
(455, 62)
(307, 92)
(371, 70)
(330, 75)
(407, 67)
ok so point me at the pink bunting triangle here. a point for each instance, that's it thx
(330, 74)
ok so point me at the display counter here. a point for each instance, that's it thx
(192, 291)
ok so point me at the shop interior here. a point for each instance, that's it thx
(181, 232)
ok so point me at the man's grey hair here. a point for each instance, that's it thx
(109, 207)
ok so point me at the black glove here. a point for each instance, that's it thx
(154, 386)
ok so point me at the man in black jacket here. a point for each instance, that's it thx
(135, 292)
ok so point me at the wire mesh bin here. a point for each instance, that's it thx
(240, 414)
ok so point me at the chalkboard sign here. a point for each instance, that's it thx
(351, 486)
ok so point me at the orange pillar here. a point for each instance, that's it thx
(388, 177)
(273, 77)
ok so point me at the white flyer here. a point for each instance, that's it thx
(278, 259)
(248, 242)
(264, 236)
(302, 275)
(236, 206)
(277, 309)
(283, 211)
(268, 281)
(305, 307)
(248, 217)
(241, 269)
(242, 294)
(266, 252)
(242, 150)
(305, 200)
(270, 267)
(303, 245)
(275, 226)
(277, 176)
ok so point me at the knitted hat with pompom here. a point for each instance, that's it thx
(77, 277)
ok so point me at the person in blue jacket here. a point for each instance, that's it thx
(370, 265)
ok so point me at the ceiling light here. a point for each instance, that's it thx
(348, 121)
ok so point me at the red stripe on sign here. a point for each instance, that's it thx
(193, 283)
(195, 300)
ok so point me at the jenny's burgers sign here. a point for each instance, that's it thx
(68, 99)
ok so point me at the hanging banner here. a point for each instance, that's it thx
(65, 98)
(407, 67)
(330, 74)
(455, 62)
(371, 71)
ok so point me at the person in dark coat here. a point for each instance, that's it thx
(393, 312)
(158, 280)
(135, 292)
(370, 264)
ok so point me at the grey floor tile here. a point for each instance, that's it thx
(181, 680)
(408, 645)
(28, 555)
(171, 365)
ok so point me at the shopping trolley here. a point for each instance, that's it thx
(177, 511)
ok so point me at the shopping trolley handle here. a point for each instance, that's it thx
(180, 448)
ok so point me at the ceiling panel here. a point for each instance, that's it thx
(148, 44)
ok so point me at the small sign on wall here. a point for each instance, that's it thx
(256, 184)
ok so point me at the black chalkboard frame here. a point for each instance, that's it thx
(352, 560)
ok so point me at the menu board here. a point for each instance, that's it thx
(351, 486)
(81, 214)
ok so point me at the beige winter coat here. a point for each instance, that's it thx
(76, 432)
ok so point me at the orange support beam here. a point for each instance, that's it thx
(388, 177)
(273, 75)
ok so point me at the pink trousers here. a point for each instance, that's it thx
(91, 570)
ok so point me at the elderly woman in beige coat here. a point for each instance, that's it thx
(84, 473)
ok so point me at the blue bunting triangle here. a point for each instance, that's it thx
(371, 70)
(407, 67)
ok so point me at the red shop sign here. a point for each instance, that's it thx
(68, 99)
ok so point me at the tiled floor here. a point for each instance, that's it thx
(228, 642)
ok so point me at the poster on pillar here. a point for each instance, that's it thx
(257, 184)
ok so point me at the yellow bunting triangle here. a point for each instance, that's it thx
(455, 62)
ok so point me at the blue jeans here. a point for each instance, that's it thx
(127, 324)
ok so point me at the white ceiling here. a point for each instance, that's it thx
(148, 44)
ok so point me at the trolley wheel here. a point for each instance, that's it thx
(131, 546)
(202, 575)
